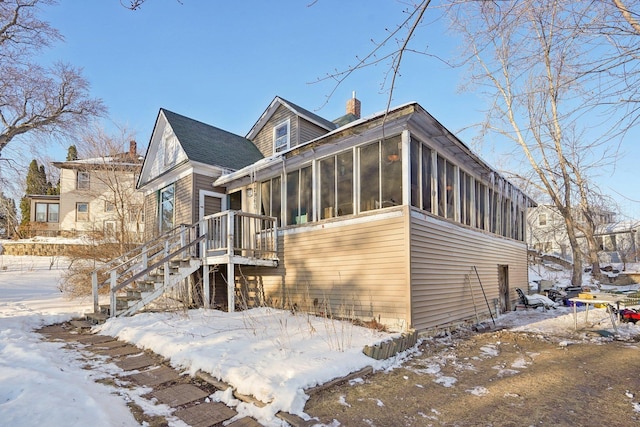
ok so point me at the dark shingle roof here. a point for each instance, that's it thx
(304, 112)
(207, 144)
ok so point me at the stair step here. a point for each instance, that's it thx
(96, 318)
(81, 324)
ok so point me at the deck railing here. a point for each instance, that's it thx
(232, 233)
(237, 233)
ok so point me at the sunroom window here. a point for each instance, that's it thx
(381, 174)
(299, 196)
(336, 185)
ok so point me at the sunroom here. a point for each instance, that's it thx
(389, 216)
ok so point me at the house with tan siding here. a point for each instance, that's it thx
(98, 197)
(183, 159)
(387, 217)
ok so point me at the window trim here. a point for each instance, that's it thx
(285, 146)
(83, 184)
(78, 212)
(161, 228)
(47, 212)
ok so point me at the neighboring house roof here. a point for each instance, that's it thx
(96, 162)
(44, 196)
(297, 110)
(210, 145)
(343, 120)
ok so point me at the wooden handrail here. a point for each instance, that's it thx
(157, 264)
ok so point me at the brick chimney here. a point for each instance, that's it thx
(353, 106)
(133, 149)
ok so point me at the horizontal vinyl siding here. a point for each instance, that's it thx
(151, 215)
(442, 274)
(184, 201)
(358, 267)
(309, 131)
(264, 139)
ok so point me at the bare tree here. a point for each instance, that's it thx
(48, 101)
(136, 4)
(527, 58)
(114, 164)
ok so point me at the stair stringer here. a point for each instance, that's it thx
(174, 279)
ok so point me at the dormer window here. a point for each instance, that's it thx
(281, 137)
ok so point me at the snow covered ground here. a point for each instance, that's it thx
(271, 354)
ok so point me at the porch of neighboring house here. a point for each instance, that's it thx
(158, 267)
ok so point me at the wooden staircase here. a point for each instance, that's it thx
(141, 276)
(138, 278)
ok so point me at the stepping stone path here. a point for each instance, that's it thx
(187, 395)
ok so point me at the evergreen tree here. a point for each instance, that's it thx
(36, 184)
(72, 153)
(8, 216)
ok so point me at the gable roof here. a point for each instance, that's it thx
(210, 145)
(295, 109)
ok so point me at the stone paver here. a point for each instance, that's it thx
(245, 422)
(135, 362)
(107, 345)
(154, 377)
(205, 414)
(179, 395)
(125, 350)
(94, 339)
(186, 397)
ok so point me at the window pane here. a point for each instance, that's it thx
(83, 180)
(345, 183)
(54, 211)
(426, 178)
(480, 205)
(265, 198)
(327, 187)
(166, 208)
(392, 172)
(369, 177)
(415, 173)
(41, 212)
(465, 198)
(306, 195)
(276, 203)
(82, 212)
(281, 137)
(292, 197)
(450, 190)
(441, 193)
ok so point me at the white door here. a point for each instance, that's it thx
(211, 202)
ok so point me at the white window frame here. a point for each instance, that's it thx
(78, 212)
(83, 183)
(109, 228)
(282, 146)
(44, 214)
(542, 219)
(50, 214)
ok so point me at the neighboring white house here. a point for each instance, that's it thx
(547, 234)
(98, 195)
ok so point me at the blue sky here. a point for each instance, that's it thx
(222, 62)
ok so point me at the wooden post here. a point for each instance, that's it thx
(206, 291)
(112, 294)
(231, 287)
(166, 265)
(231, 275)
(94, 291)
